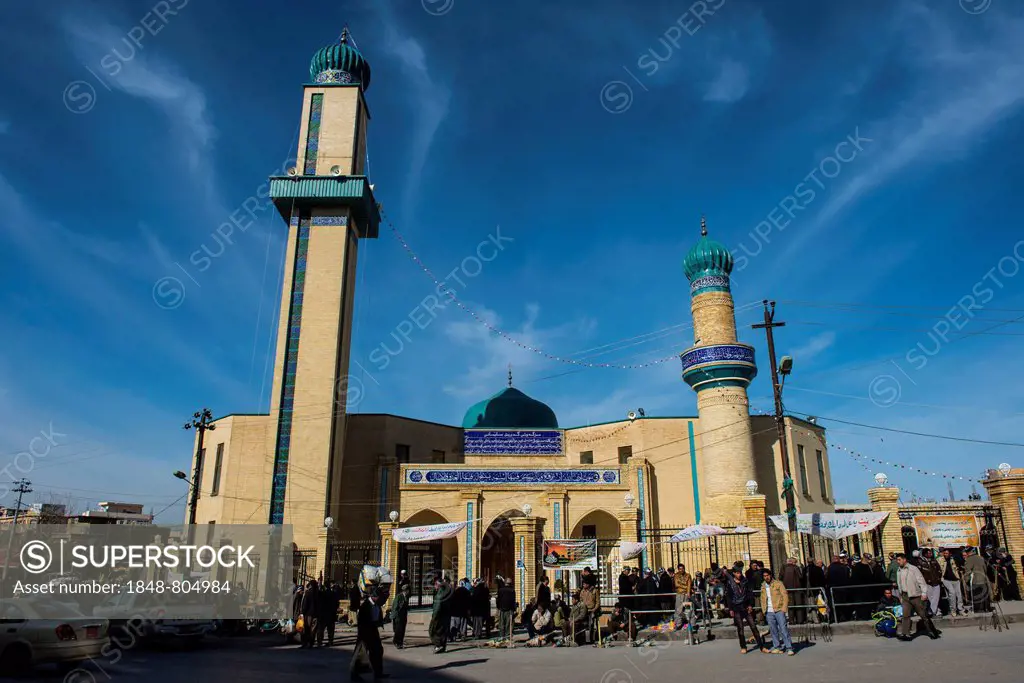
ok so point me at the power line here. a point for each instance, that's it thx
(912, 433)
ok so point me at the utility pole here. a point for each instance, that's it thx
(22, 487)
(201, 421)
(787, 479)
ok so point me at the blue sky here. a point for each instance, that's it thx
(594, 139)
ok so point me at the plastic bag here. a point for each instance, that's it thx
(299, 623)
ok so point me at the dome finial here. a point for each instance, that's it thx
(510, 375)
(703, 226)
(344, 36)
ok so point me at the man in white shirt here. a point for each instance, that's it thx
(913, 591)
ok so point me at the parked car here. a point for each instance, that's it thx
(34, 631)
(156, 617)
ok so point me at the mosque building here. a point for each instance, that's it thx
(510, 471)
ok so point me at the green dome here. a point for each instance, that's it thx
(340, 63)
(510, 409)
(707, 257)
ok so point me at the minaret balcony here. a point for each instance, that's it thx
(718, 365)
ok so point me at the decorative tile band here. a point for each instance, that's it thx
(557, 515)
(717, 353)
(524, 477)
(340, 221)
(522, 567)
(334, 76)
(512, 442)
(641, 494)
(382, 503)
(710, 283)
(693, 471)
(469, 540)
(316, 109)
(284, 419)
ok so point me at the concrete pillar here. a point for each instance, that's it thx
(754, 517)
(886, 499)
(526, 539)
(389, 548)
(1007, 493)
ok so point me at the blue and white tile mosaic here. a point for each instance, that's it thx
(527, 477)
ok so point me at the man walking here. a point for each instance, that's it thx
(368, 637)
(440, 618)
(774, 604)
(913, 592)
(310, 607)
(400, 613)
(950, 573)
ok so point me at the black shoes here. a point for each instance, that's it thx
(904, 639)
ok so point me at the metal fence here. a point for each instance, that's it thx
(699, 554)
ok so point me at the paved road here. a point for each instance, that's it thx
(963, 654)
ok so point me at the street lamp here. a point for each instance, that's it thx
(527, 509)
(328, 522)
(628, 499)
(192, 504)
(1004, 469)
(881, 479)
(751, 487)
(393, 516)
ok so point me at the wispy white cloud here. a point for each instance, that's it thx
(814, 346)
(428, 97)
(731, 83)
(967, 84)
(488, 355)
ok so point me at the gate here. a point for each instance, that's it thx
(991, 531)
(699, 554)
(348, 558)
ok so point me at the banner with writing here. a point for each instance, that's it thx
(630, 549)
(570, 554)
(431, 532)
(696, 531)
(833, 525)
(512, 442)
(947, 531)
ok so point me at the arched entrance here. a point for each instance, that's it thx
(603, 526)
(497, 548)
(423, 561)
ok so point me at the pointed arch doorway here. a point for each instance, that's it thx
(497, 548)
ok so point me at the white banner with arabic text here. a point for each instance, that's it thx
(833, 525)
(432, 532)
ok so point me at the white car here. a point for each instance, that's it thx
(35, 632)
(153, 618)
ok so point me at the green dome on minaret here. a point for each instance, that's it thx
(340, 63)
(707, 258)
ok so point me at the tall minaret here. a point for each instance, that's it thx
(719, 369)
(328, 204)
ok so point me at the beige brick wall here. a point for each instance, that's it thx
(341, 107)
(770, 470)
(727, 455)
(245, 472)
(714, 319)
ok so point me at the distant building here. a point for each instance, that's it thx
(115, 513)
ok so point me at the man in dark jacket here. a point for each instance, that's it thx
(309, 609)
(864, 592)
(461, 601)
(327, 613)
(544, 593)
(740, 599)
(370, 620)
(792, 578)
(506, 604)
(837, 578)
(355, 598)
(481, 610)
(400, 614)
(589, 578)
(625, 589)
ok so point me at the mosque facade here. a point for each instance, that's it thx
(510, 470)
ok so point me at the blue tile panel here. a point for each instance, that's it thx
(332, 221)
(528, 477)
(316, 110)
(709, 283)
(716, 354)
(693, 471)
(641, 494)
(512, 442)
(291, 350)
(334, 76)
(558, 521)
(469, 540)
(522, 567)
